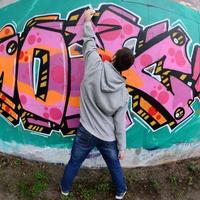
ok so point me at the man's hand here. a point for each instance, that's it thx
(121, 155)
(89, 13)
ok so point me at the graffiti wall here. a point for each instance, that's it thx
(42, 66)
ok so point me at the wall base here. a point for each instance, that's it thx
(134, 157)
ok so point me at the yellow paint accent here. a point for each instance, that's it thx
(30, 126)
(160, 63)
(166, 73)
(74, 18)
(97, 14)
(171, 123)
(41, 129)
(44, 78)
(174, 34)
(181, 113)
(135, 104)
(21, 39)
(71, 132)
(140, 45)
(165, 80)
(10, 119)
(181, 42)
(146, 117)
(44, 72)
(180, 38)
(130, 89)
(66, 34)
(190, 102)
(23, 114)
(158, 69)
(37, 52)
(43, 84)
(42, 96)
(31, 24)
(152, 123)
(183, 76)
(143, 114)
(136, 97)
(44, 59)
(19, 107)
(12, 45)
(140, 111)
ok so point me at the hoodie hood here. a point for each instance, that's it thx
(111, 80)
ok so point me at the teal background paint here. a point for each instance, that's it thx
(150, 11)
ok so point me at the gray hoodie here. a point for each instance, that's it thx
(104, 97)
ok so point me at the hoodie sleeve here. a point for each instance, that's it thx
(120, 127)
(90, 53)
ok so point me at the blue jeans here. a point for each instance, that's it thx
(84, 142)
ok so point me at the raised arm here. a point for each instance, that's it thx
(120, 129)
(90, 53)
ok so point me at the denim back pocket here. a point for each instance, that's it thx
(83, 136)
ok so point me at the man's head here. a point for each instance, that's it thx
(123, 59)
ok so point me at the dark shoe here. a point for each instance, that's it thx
(120, 195)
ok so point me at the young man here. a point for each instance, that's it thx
(103, 107)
